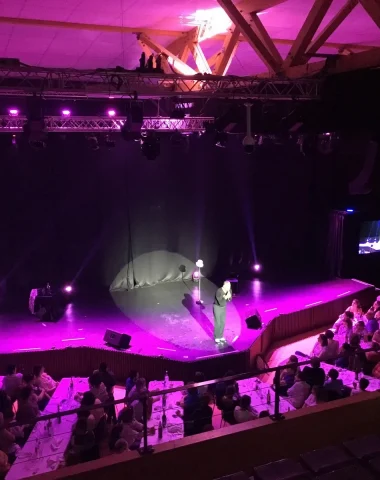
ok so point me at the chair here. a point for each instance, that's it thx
(353, 472)
(364, 448)
(326, 459)
(282, 470)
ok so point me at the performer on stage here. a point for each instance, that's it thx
(222, 296)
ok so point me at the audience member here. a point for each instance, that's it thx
(344, 356)
(199, 378)
(6, 407)
(332, 345)
(43, 380)
(98, 388)
(363, 385)
(228, 404)
(312, 399)
(244, 411)
(95, 415)
(321, 351)
(314, 375)
(27, 411)
(371, 359)
(8, 441)
(361, 331)
(334, 384)
(376, 337)
(375, 308)
(221, 387)
(137, 390)
(12, 382)
(356, 309)
(131, 381)
(28, 379)
(287, 376)
(264, 413)
(344, 327)
(107, 377)
(83, 442)
(202, 417)
(372, 323)
(298, 393)
(132, 431)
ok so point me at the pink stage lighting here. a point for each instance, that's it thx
(195, 275)
(13, 112)
(68, 289)
(66, 112)
(111, 113)
(256, 267)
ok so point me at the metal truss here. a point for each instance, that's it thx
(102, 124)
(67, 83)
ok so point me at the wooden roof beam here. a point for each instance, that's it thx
(372, 7)
(330, 28)
(261, 32)
(251, 37)
(224, 58)
(307, 32)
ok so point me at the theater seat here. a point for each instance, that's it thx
(364, 448)
(326, 459)
(281, 470)
(352, 472)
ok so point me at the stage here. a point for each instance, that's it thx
(166, 325)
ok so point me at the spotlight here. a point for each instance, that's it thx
(350, 210)
(150, 145)
(66, 113)
(256, 267)
(93, 142)
(68, 289)
(13, 112)
(14, 140)
(111, 113)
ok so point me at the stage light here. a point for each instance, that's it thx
(68, 289)
(199, 263)
(66, 113)
(196, 276)
(13, 112)
(111, 113)
(256, 267)
(350, 210)
(14, 140)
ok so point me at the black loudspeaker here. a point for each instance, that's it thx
(116, 339)
(254, 322)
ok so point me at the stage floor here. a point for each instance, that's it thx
(164, 319)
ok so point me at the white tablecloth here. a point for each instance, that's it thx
(174, 424)
(52, 448)
(258, 392)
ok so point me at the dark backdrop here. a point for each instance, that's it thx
(71, 213)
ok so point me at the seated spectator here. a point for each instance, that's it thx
(4, 464)
(344, 356)
(107, 377)
(131, 380)
(372, 323)
(83, 442)
(95, 415)
(334, 384)
(115, 436)
(199, 378)
(12, 382)
(361, 331)
(28, 379)
(228, 404)
(322, 352)
(314, 375)
(28, 410)
(344, 328)
(98, 388)
(371, 359)
(376, 337)
(264, 413)
(43, 380)
(375, 308)
(316, 397)
(190, 404)
(356, 309)
(132, 431)
(288, 375)
(138, 406)
(137, 390)
(8, 441)
(6, 406)
(202, 417)
(298, 393)
(221, 387)
(363, 385)
(244, 411)
(332, 346)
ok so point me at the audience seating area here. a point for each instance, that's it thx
(98, 427)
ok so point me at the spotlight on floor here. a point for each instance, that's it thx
(257, 267)
(68, 289)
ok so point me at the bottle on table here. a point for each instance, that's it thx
(166, 379)
(268, 397)
(49, 428)
(160, 430)
(164, 401)
(164, 420)
(59, 411)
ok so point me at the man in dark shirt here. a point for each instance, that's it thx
(315, 375)
(222, 296)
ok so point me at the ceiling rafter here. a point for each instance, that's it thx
(252, 38)
(372, 7)
(197, 52)
(261, 32)
(330, 28)
(224, 57)
(307, 32)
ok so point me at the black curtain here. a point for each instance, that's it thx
(335, 248)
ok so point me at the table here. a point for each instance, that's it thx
(258, 392)
(174, 427)
(52, 448)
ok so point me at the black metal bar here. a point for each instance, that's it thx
(277, 414)
(146, 448)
